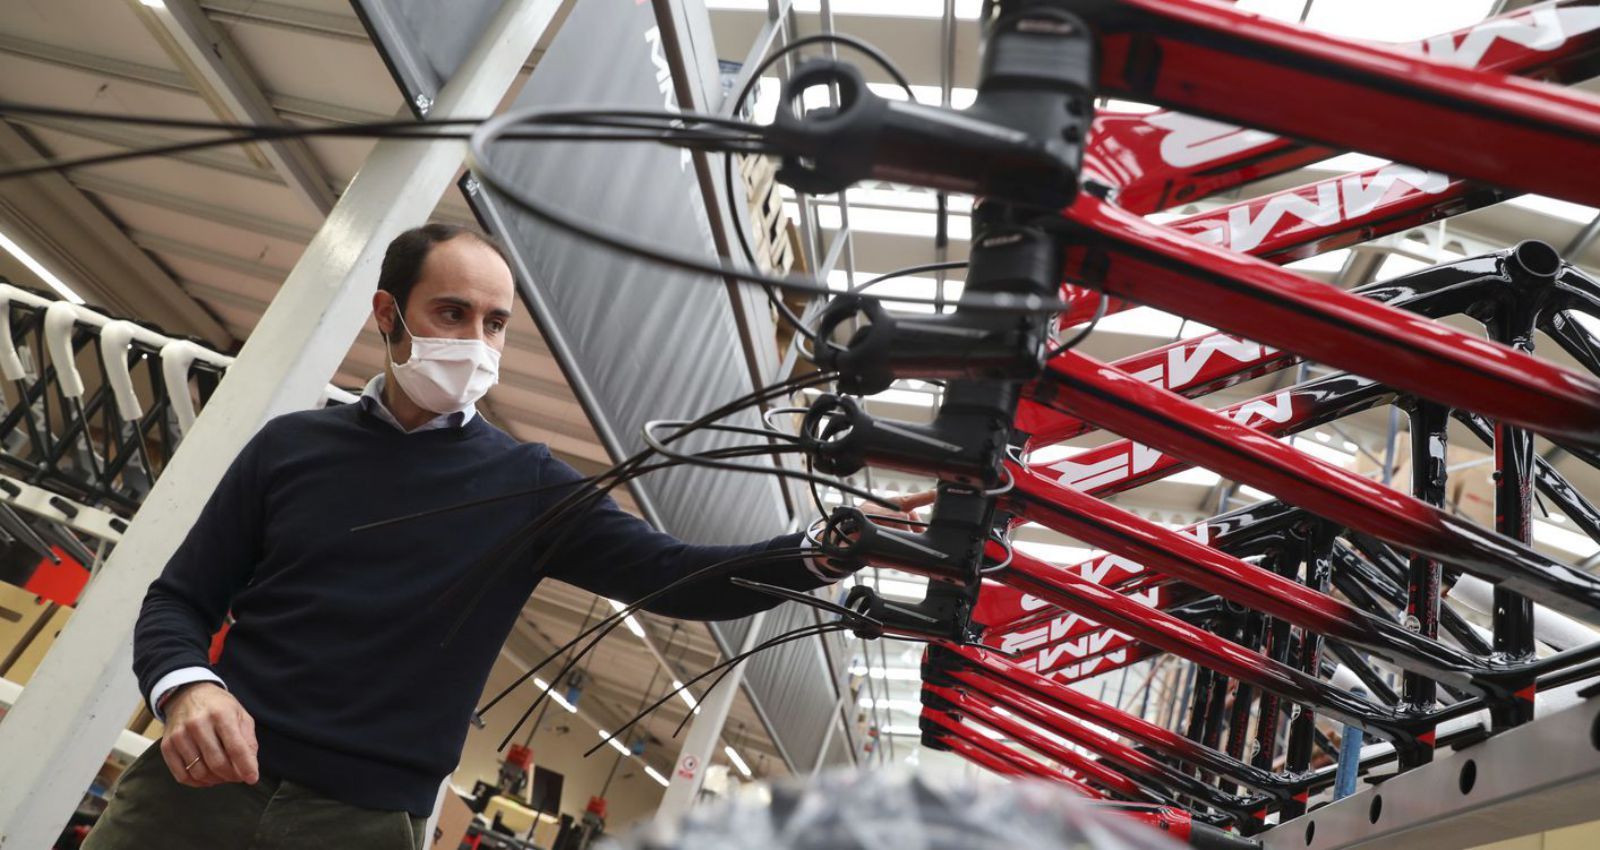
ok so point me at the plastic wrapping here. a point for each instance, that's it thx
(891, 810)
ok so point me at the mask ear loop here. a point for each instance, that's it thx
(400, 316)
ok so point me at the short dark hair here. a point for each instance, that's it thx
(402, 261)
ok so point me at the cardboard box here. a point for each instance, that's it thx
(22, 615)
(33, 653)
(1469, 491)
(454, 818)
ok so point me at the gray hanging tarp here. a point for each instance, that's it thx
(637, 341)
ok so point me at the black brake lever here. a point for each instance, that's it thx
(863, 626)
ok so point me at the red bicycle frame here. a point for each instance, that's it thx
(1162, 159)
(1210, 60)
(1153, 779)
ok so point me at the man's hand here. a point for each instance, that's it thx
(902, 517)
(210, 739)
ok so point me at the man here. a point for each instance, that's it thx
(342, 697)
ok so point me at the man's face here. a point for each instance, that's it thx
(463, 292)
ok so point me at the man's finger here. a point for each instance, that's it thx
(190, 768)
(240, 748)
(249, 725)
(214, 756)
(914, 500)
(172, 754)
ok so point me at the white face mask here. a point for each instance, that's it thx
(445, 375)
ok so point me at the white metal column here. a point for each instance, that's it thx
(704, 731)
(54, 740)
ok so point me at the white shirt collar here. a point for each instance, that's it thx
(372, 401)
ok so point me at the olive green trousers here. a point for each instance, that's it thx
(149, 810)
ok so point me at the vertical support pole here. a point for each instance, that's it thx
(701, 742)
(1513, 517)
(1201, 693)
(1250, 635)
(756, 331)
(1389, 448)
(1303, 722)
(1429, 430)
(1269, 717)
(1344, 781)
(841, 686)
(57, 736)
(1216, 707)
(1177, 697)
(836, 721)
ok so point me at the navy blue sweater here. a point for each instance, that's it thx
(337, 649)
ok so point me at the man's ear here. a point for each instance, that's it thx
(383, 312)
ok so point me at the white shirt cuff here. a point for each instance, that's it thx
(176, 679)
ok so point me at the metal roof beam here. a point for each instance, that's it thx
(133, 139)
(72, 236)
(124, 190)
(228, 84)
(148, 75)
(284, 16)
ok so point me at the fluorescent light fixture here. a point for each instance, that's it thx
(894, 674)
(1347, 162)
(1322, 452)
(656, 775)
(885, 704)
(733, 756)
(629, 621)
(38, 268)
(686, 696)
(1127, 106)
(919, 287)
(154, 4)
(1148, 321)
(1196, 476)
(1384, 20)
(1330, 262)
(615, 744)
(1589, 322)
(555, 695)
(1249, 492)
(766, 96)
(1052, 453)
(965, 9)
(1054, 553)
(1375, 20)
(910, 591)
(893, 222)
(1564, 210)
(1560, 538)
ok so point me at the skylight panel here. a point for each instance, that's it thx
(1386, 20)
(965, 9)
(1564, 210)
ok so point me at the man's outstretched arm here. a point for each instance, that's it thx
(615, 554)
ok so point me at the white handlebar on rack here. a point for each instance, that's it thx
(59, 320)
(115, 340)
(10, 362)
